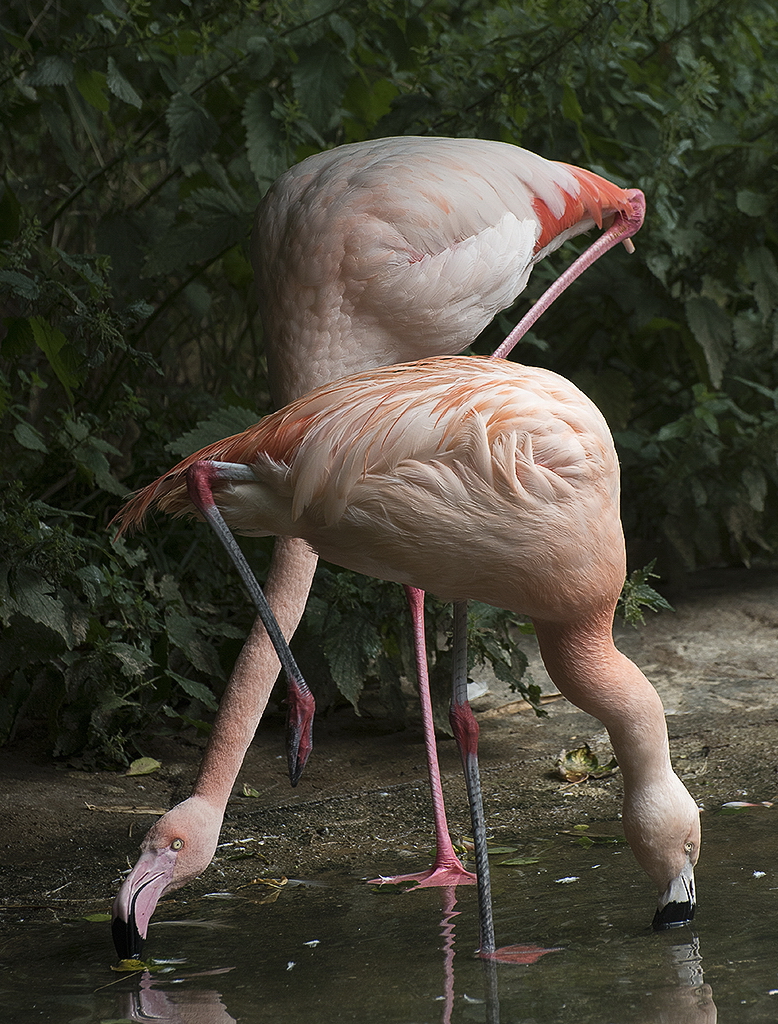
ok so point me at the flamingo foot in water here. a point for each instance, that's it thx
(445, 871)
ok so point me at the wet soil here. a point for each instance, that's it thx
(362, 807)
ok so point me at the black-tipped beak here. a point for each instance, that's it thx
(137, 898)
(127, 939)
(673, 915)
(676, 904)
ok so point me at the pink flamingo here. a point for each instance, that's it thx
(470, 478)
(354, 272)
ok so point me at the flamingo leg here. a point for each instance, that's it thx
(447, 868)
(466, 734)
(301, 705)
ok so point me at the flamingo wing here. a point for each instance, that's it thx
(407, 247)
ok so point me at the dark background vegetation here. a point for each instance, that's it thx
(137, 139)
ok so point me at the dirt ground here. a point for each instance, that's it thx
(362, 805)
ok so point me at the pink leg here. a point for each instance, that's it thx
(447, 868)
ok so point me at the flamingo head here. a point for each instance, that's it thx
(176, 849)
(662, 825)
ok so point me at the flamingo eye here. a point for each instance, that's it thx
(177, 844)
(689, 847)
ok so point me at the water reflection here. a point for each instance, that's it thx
(179, 1006)
(686, 1000)
(340, 952)
(691, 1001)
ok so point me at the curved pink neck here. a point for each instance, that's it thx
(622, 229)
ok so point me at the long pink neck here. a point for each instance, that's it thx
(621, 230)
(249, 687)
(583, 661)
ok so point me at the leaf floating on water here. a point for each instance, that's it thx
(274, 883)
(250, 791)
(581, 764)
(127, 966)
(584, 837)
(126, 809)
(143, 766)
(512, 862)
(492, 849)
(97, 918)
(273, 888)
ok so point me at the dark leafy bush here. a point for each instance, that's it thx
(137, 141)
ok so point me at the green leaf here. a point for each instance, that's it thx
(232, 419)
(753, 204)
(261, 57)
(265, 140)
(61, 131)
(54, 345)
(185, 635)
(762, 270)
(193, 131)
(320, 77)
(91, 85)
(571, 108)
(19, 42)
(22, 285)
(30, 438)
(638, 594)
(712, 330)
(90, 458)
(19, 338)
(143, 766)
(33, 598)
(197, 690)
(133, 661)
(347, 648)
(120, 87)
(52, 69)
(218, 221)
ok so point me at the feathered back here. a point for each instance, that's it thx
(405, 248)
(365, 425)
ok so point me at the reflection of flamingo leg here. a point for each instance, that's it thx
(466, 734)
(447, 931)
(447, 868)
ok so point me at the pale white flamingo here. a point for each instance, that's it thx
(368, 255)
(470, 478)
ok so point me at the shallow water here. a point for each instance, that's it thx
(337, 950)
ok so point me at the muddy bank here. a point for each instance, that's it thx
(362, 806)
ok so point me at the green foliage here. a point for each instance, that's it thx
(137, 141)
(639, 594)
(94, 642)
